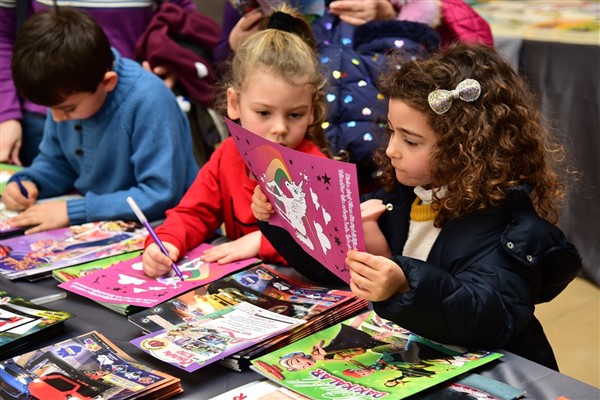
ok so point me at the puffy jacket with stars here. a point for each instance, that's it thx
(352, 58)
(480, 283)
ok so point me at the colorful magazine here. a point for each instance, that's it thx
(77, 271)
(126, 283)
(316, 199)
(264, 287)
(88, 366)
(366, 357)
(207, 339)
(22, 322)
(39, 253)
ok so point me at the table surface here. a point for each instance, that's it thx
(538, 381)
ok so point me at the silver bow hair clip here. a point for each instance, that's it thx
(440, 100)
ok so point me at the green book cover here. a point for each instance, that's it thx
(366, 357)
(6, 172)
(77, 271)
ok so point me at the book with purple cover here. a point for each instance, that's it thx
(126, 283)
(316, 199)
(42, 252)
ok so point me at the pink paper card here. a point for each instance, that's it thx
(316, 199)
(126, 283)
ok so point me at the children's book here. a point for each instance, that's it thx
(125, 282)
(77, 271)
(264, 287)
(366, 357)
(316, 199)
(40, 253)
(207, 339)
(22, 322)
(88, 366)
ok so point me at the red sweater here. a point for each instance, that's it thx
(221, 193)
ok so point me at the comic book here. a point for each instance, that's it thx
(88, 366)
(262, 286)
(23, 322)
(366, 357)
(209, 338)
(40, 253)
(125, 287)
(315, 199)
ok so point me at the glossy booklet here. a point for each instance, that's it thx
(22, 322)
(126, 283)
(366, 357)
(88, 366)
(207, 339)
(39, 253)
(315, 199)
(263, 286)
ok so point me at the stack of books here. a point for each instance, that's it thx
(23, 322)
(263, 287)
(35, 256)
(88, 366)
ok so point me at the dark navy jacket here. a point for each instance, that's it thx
(482, 278)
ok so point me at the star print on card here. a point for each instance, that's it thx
(316, 199)
(126, 283)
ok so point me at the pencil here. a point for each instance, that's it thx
(138, 212)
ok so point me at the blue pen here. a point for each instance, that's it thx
(138, 212)
(21, 187)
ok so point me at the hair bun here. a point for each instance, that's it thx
(282, 21)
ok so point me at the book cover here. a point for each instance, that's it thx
(126, 283)
(22, 322)
(42, 252)
(207, 339)
(88, 366)
(316, 199)
(366, 357)
(77, 271)
(259, 285)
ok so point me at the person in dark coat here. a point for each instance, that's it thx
(468, 212)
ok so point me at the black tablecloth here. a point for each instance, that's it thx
(538, 381)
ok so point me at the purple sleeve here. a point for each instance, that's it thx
(186, 4)
(230, 17)
(9, 102)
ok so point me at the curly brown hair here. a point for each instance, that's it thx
(484, 147)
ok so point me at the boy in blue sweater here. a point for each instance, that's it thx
(115, 129)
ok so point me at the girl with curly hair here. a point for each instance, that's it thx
(461, 241)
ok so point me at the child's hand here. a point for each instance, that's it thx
(245, 247)
(155, 263)
(261, 208)
(247, 25)
(14, 200)
(375, 278)
(359, 12)
(42, 217)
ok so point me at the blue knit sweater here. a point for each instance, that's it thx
(138, 144)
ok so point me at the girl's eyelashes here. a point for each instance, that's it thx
(408, 142)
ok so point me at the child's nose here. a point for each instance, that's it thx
(59, 115)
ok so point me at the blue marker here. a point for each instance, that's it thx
(21, 187)
(138, 212)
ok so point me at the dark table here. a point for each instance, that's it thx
(539, 382)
